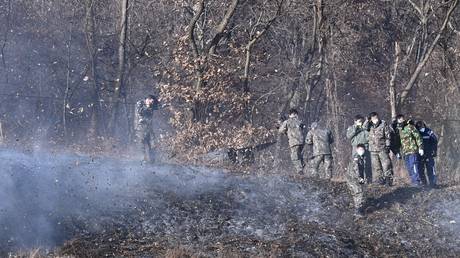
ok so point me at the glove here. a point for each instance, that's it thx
(421, 152)
(361, 180)
(398, 155)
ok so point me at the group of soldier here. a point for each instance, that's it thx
(372, 140)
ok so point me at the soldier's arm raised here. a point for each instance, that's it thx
(352, 132)
(367, 125)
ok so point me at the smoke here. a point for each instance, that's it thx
(447, 214)
(38, 190)
(41, 192)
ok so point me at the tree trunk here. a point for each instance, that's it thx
(5, 41)
(67, 88)
(392, 81)
(2, 135)
(91, 46)
(119, 82)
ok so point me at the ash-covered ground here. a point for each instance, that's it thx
(94, 206)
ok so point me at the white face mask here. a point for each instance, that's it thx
(422, 130)
(360, 152)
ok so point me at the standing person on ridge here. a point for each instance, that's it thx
(293, 128)
(358, 135)
(321, 140)
(379, 147)
(144, 126)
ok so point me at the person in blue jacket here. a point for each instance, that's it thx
(427, 161)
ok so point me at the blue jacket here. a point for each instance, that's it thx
(430, 143)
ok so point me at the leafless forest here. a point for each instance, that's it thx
(227, 70)
(71, 72)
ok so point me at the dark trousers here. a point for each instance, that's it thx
(412, 166)
(145, 137)
(367, 173)
(427, 168)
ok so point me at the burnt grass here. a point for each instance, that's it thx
(400, 221)
(101, 207)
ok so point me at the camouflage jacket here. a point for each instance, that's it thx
(293, 127)
(356, 168)
(357, 135)
(321, 139)
(144, 114)
(379, 136)
(411, 141)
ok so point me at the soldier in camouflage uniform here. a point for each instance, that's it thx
(379, 146)
(321, 139)
(411, 148)
(293, 128)
(355, 177)
(144, 126)
(358, 135)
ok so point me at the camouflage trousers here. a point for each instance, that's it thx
(297, 158)
(316, 162)
(382, 166)
(145, 139)
(357, 191)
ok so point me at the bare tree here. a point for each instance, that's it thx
(427, 50)
(119, 81)
(90, 34)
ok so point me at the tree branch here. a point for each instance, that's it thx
(192, 25)
(421, 65)
(222, 26)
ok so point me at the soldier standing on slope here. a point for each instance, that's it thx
(379, 146)
(358, 135)
(321, 139)
(144, 126)
(293, 128)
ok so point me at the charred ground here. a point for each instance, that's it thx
(91, 207)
